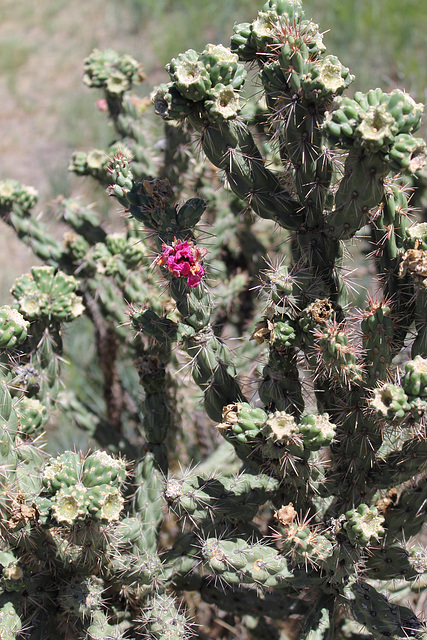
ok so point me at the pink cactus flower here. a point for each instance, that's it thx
(182, 259)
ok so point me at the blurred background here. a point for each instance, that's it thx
(47, 113)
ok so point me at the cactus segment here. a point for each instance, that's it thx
(379, 615)
(363, 524)
(12, 191)
(237, 562)
(170, 104)
(414, 382)
(110, 71)
(45, 292)
(390, 401)
(190, 76)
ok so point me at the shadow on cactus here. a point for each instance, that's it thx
(259, 431)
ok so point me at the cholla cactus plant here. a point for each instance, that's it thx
(304, 515)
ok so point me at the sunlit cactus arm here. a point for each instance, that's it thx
(147, 501)
(162, 618)
(97, 627)
(211, 106)
(413, 269)
(9, 618)
(132, 141)
(46, 297)
(276, 444)
(238, 498)
(16, 203)
(112, 73)
(135, 135)
(378, 329)
(13, 327)
(238, 563)
(370, 126)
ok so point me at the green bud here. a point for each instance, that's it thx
(190, 76)
(317, 431)
(363, 525)
(69, 504)
(13, 328)
(414, 382)
(390, 401)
